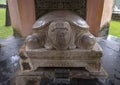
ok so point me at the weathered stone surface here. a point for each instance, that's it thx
(76, 54)
(60, 30)
(61, 35)
(90, 59)
(28, 80)
(35, 77)
(91, 66)
(60, 15)
(60, 39)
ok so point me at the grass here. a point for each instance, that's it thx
(4, 31)
(115, 28)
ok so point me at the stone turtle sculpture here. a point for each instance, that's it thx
(60, 30)
(60, 47)
(62, 39)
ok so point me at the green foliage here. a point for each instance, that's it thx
(2, 1)
(115, 28)
(4, 31)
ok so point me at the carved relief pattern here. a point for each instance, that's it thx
(45, 6)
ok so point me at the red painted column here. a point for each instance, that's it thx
(94, 15)
(14, 14)
(22, 13)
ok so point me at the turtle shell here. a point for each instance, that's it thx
(60, 15)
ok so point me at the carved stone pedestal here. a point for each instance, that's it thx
(35, 77)
(41, 64)
(90, 59)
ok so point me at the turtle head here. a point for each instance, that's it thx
(59, 33)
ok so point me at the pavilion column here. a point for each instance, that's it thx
(22, 13)
(94, 15)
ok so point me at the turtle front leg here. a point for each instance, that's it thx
(32, 41)
(86, 41)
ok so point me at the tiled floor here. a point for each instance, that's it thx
(110, 61)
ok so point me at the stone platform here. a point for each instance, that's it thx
(41, 64)
(90, 59)
(35, 77)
